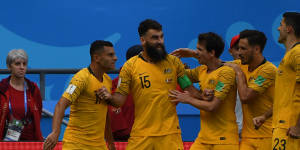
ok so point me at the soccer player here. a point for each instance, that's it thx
(255, 82)
(218, 122)
(149, 77)
(88, 124)
(286, 109)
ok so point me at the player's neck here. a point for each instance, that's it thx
(257, 61)
(290, 42)
(97, 71)
(214, 64)
(146, 57)
(17, 83)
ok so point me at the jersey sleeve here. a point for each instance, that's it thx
(295, 63)
(225, 82)
(76, 86)
(264, 79)
(125, 78)
(193, 74)
(179, 67)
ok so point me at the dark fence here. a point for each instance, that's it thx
(43, 72)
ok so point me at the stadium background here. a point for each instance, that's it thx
(57, 34)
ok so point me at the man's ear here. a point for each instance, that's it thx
(257, 49)
(96, 57)
(230, 51)
(289, 29)
(213, 52)
(142, 39)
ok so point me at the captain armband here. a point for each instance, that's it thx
(184, 81)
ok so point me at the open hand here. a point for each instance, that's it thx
(208, 94)
(184, 52)
(182, 97)
(50, 141)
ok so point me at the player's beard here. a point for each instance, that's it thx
(248, 60)
(281, 39)
(156, 54)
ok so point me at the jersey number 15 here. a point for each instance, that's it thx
(144, 82)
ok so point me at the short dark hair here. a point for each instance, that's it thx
(293, 19)
(254, 37)
(133, 50)
(98, 45)
(212, 42)
(148, 24)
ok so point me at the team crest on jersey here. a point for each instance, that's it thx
(167, 71)
(259, 80)
(219, 86)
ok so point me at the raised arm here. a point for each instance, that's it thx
(254, 88)
(184, 52)
(246, 94)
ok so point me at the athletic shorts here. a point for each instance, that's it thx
(78, 146)
(165, 142)
(203, 146)
(256, 144)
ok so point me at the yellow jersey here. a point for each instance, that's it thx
(149, 84)
(218, 127)
(88, 114)
(287, 90)
(261, 80)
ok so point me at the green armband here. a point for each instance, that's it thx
(184, 81)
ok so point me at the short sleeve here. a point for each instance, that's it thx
(225, 82)
(264, 79)
(76, 86)
(193, 74)
(295, 63)
(179, 66)
(125, 78)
